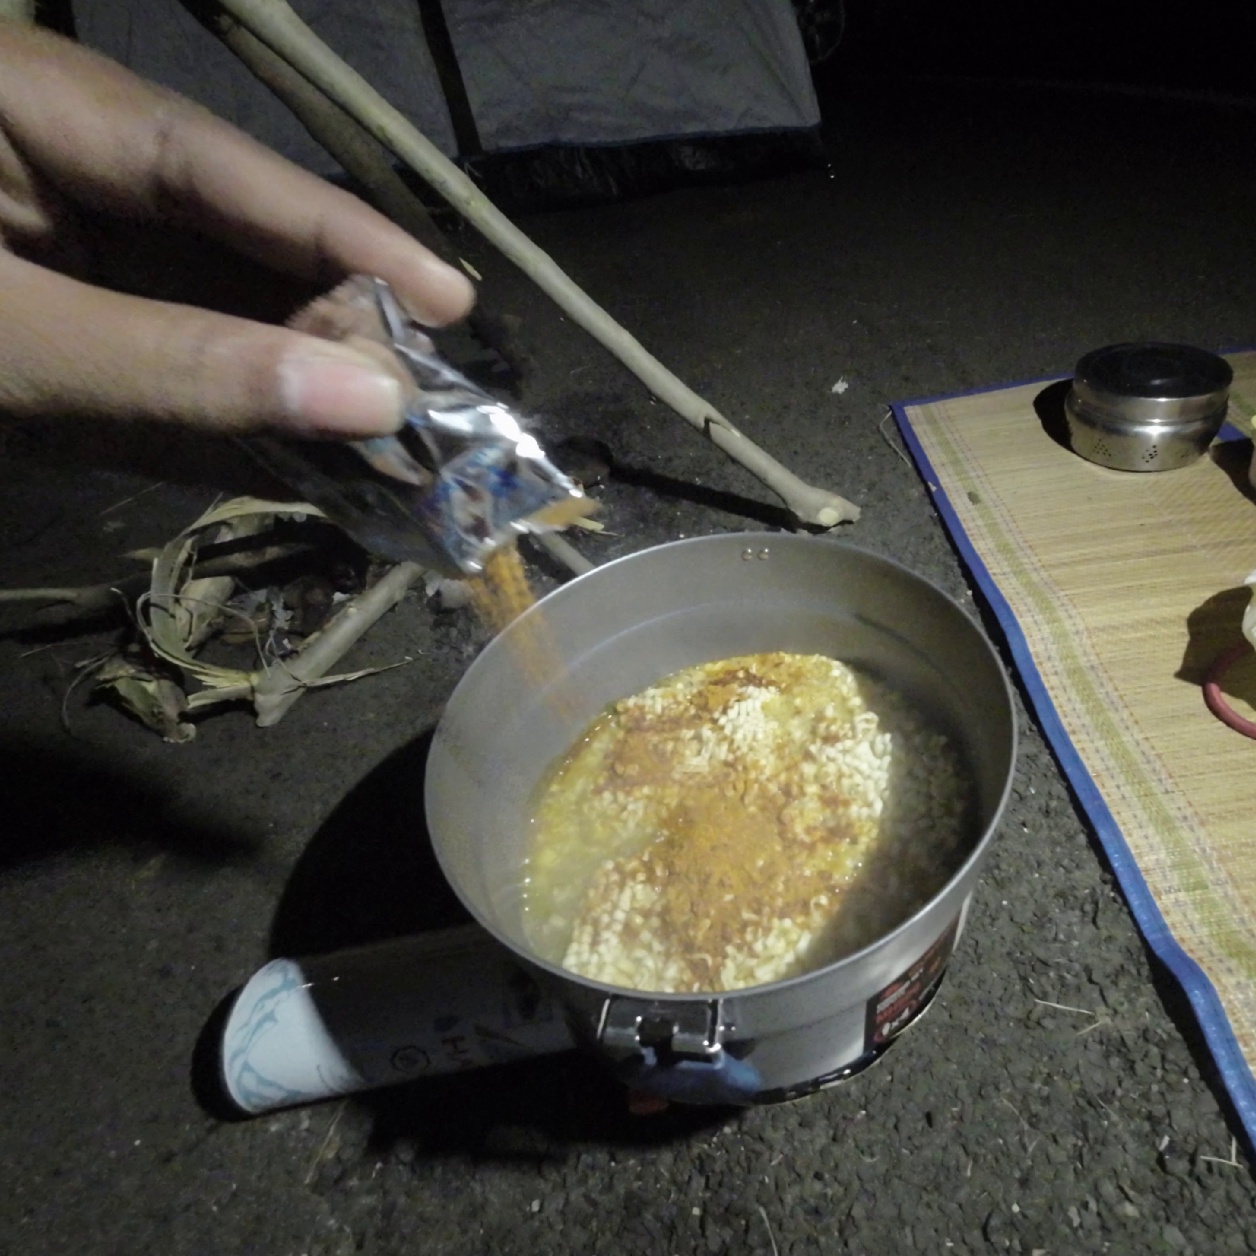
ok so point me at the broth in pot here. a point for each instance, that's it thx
(740, 822)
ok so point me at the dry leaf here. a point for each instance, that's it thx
(173, 626)
(169, 616)
(153, 698)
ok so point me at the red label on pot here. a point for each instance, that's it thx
(892, 1009)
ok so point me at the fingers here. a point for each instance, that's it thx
(238, 191)
(111, 141)
(68, 348)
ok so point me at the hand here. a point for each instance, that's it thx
(81, 137)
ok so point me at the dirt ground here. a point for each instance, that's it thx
(965, 237)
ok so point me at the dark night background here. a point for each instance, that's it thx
(1204, 47)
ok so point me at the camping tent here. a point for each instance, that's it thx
(543, 101)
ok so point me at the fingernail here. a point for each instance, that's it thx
(440, 295)
(326, 388)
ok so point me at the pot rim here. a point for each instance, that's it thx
(965, 873)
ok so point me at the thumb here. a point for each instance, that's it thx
(69, 348)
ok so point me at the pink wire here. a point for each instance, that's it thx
(1214, 698)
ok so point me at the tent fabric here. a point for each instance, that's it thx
(591, 72)
(383, 40)
(573, 101)
(563, 176)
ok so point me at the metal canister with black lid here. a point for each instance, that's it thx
(1147, 406)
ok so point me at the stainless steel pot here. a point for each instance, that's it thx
(621, 628)
(1147, 406)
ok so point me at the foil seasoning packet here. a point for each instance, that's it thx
(460, 479)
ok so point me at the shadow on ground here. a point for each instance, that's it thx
(545, 1108)
(1214, 627)
(1234, 457)
(370, 873)
(594, 430)
(1049, 405)
(56, 797)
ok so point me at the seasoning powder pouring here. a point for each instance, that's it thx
(462, 479)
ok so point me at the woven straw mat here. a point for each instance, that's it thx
(1116, 591)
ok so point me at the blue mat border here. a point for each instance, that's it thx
(1215, 1025)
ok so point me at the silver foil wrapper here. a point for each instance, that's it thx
(460, 479)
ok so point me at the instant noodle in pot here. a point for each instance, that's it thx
(460, 479)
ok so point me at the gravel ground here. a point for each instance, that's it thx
(966, 237)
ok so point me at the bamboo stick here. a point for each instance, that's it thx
(283, 685)
(277, 25)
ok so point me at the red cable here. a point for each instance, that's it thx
(1214, 698)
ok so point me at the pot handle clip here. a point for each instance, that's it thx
(675, 1051)
(689, 1031)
